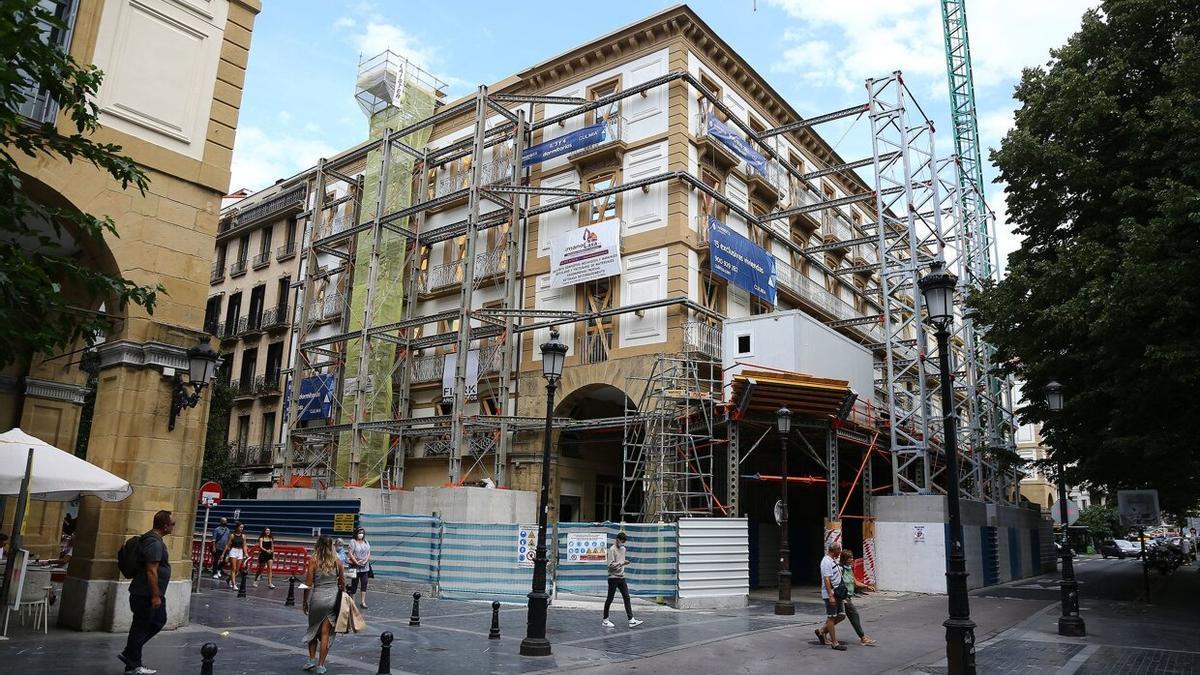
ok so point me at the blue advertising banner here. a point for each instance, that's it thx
(316, 397)
(564, 144)
(740, 146)
(741, 261)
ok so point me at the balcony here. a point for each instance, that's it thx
(791, 281)
(329, 308)
(595, 345)
(612, 148)
(496, 172)
(267, 385)
(286, 203)
(285, 252)
(703, 338)
(428, 367)
(218, 274)
(712, 150)
(261, 260)
(254, 455)
(275, 319)
(769, 189)
(834, 230)
(439, 279)
(243, 389)
(228, 331)
(865, 254)
(237, 269)
(250, 325)
(335, 225)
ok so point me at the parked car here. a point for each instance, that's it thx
(1119, 548)
(1130, 548)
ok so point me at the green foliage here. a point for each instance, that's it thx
(1103, 174)
(1102, 521)
(46, 294)
(219, 465)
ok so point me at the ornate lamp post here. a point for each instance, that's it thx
(784, 605)
(1070, 623)
(202, 362)
(937, 287)
(535, 643)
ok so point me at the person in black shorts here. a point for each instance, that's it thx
(266, 556)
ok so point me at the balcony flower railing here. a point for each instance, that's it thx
(702, 337)
(487, 264)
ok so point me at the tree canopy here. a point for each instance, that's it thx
(1102, 170)
(47, 294)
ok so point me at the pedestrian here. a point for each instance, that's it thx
(266, 556)
(831, 587)
(617, 562)
(340, 547)
(3, 545)
(147, 593)
(235, 550)
(360, 566)
(847, 561)
(325, 580)
(220, 537)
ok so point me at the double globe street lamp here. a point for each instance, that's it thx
(554, 353)
(937, 288)
(1070, 623)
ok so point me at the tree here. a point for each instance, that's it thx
(48, 295)
(218, 465)
(1102, 521)
(1103, 174)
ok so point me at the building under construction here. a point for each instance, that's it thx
(641, 194)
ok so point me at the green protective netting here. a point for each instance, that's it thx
(388, 300)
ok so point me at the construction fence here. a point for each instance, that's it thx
(494, 561)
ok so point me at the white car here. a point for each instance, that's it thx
(1129, 548)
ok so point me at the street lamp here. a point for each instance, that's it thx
(202, 361)
(535, 643)
(784, 605)
(937, 288)
(1070, 623)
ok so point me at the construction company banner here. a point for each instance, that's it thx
(741, 261)
(740, 146)
(587, 547)
(451, 364)
(567, 143)
(585, 254)
(527, 536)
(316, 397)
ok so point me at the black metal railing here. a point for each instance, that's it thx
(237, 268)
(218, 273)
(286, 251)
(261, 260)
(268, 384)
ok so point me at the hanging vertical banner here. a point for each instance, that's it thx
(740, 146)
(569, 142)
(316, 397)
(741, 261)
(586, 254)
(451, 364)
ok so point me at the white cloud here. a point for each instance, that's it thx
(285, 117)
(345, 22)
(870, 38)
(993, 127)
(377, 36)
(260, 158)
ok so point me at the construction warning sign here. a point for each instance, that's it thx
(526, 545)
(343, 522)
(586, 547)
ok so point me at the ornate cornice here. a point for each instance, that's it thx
(55, 391)
(142, 355)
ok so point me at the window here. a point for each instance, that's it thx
(268, 430)
(289, 231)
(743, 344)
(705, 104)
(264, 244)
(249, 366)
(796, 161)
(243, 249)
(758, 234)
(713, 289)
(708, 205)
(222, 250)
(283, 294)
(232, 311)
(212, 315)
(756, 126)
(760, 306)
(243, 431)
(38, 106)
(258, 297)
(609, 112)
(274, 363)
(601, 209)
(597, 334)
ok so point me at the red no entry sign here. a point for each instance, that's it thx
(211, 494)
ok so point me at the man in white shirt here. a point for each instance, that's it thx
(835, 613)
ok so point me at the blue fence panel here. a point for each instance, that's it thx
(991, 555)
(1014, 553)
(286, 518)
(651, 547)
(1035, 549)
(479, 562)
(403, 548)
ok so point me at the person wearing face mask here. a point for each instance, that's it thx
(360, 565)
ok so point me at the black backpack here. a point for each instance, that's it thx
(129, 558)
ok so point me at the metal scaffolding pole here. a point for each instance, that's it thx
(512, 289)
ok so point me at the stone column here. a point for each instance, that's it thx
(129, 438)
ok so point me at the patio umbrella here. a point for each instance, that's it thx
(57, 476)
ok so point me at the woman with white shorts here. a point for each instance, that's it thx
(235, 550)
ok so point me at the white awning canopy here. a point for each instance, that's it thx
(58, 476)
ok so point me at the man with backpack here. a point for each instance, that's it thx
(144, 559)
(833, 592)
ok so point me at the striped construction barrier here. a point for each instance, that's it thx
(480, 561)
(404, 548)
(651, 547)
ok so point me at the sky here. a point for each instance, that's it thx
(299, 105)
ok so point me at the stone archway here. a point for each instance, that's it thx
(591, 457)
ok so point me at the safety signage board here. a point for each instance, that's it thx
(211, 494)
(586, 254)
(526, 545)
(586, 547)
(343, 522)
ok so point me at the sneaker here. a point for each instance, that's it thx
(608, 624)
(142, 670)
(309, 664)
(256, 583)
(320, 670)
(217, 575)
(634, 623)
(271, 586)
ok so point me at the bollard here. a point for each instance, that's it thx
(291, 598)
(494, 633)
(415, 619)
(242, 584)
(207, 653)
(385, 654)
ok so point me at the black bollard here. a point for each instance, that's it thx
(385, 654)
(242, 584)
(291, 598)
(415, 619)
(208, 652)
(494, 633)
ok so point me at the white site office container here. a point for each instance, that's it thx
(795, 341)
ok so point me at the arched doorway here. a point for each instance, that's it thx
(590, 455)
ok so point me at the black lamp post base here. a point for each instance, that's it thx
(535, 647)
(1071, 626)
(960, 645)
(783, 608)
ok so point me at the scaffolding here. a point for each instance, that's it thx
(670, 438)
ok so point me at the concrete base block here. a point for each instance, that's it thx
(713, 602)
(103, 605)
